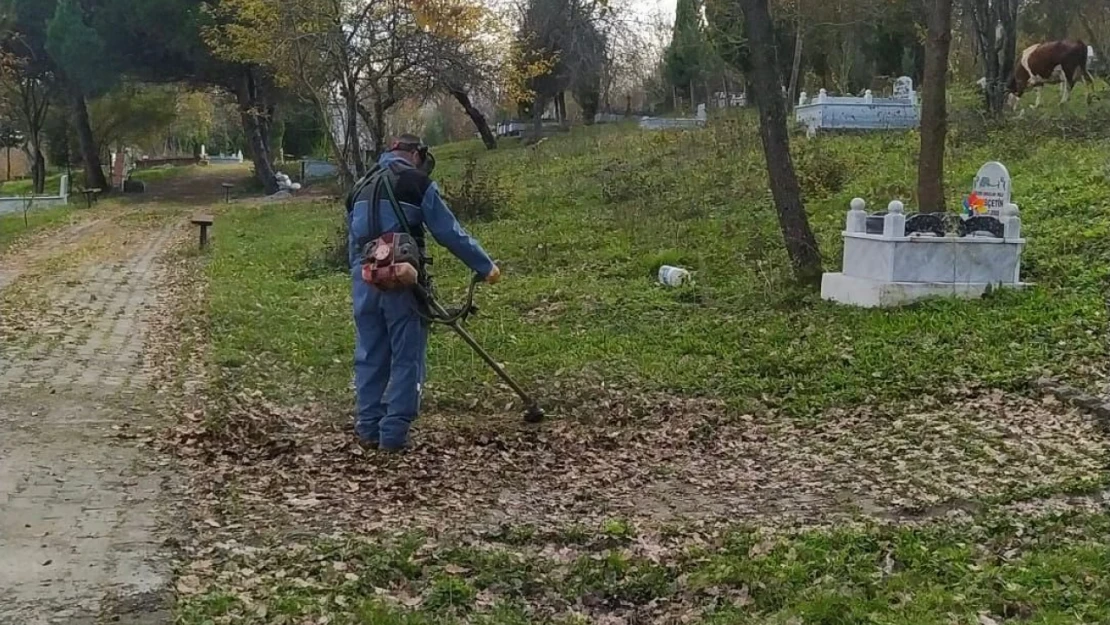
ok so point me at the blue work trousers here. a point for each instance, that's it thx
(391, 342)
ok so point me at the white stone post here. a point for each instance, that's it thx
(802, 98)
(64, 188)
(857, 216)
(702, 115)
(867, 97)
(1011, 222)
(894, 222)
(822, 96)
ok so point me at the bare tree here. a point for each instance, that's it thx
(934, 112)
(570, 36)
(25, 92)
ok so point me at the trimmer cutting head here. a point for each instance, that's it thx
(534, 414)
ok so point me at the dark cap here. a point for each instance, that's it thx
(408, 143)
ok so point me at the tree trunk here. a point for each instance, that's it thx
(254, 130)
(693, 106)
(1008, 15)
(344, 175)
(998, 56)
(767, 89)
(265, 125)
(537, 117)
(792, 90)
(90, 152)
(354, 142)
(475, 116)
(379, 129)
(934, 112)
(375, 122)
(38, 170)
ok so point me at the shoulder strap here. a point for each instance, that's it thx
(361, 185)
(382, 180)
(387, 183)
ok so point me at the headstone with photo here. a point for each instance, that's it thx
(993, 187)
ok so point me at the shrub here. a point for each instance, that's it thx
(624, 182)
(821, 172)
(332, 257)
(480, 195)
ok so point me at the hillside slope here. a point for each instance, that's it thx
(592, 215)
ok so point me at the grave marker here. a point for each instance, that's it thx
(903, 88)
(992, 185)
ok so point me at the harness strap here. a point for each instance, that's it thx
(381, 180)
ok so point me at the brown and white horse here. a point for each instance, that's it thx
(1052, 62)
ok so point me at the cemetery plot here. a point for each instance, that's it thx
(826, 112)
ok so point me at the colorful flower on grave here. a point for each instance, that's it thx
(975, 205)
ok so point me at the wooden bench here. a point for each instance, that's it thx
(91, 196)
(205, 222)
(227, 192)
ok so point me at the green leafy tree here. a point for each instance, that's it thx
(86, 69)
(688, 54)
(133, 113)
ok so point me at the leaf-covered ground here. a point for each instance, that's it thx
(733, 452)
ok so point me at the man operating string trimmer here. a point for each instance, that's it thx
(387, 213)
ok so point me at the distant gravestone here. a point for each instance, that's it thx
(903, 88)
(992, 186)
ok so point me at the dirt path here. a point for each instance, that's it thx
(79, 537)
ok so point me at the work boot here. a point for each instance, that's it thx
(395, 451)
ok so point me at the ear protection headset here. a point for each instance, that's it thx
(427, 160)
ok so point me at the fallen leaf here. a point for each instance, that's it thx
(188, 585)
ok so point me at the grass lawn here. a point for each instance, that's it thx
(24, 186)
(593, 215)
(12, 225)
(1052, 570)
(741, 404)
(54, 181)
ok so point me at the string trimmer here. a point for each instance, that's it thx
(454, 319)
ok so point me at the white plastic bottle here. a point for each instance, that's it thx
(673, 276)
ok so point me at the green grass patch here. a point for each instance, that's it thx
(26, 185)
(54, 181)
(13, 226)
(594, 214)
(1054, 569)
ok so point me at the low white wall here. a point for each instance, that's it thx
(16, 204)
(895, 268)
